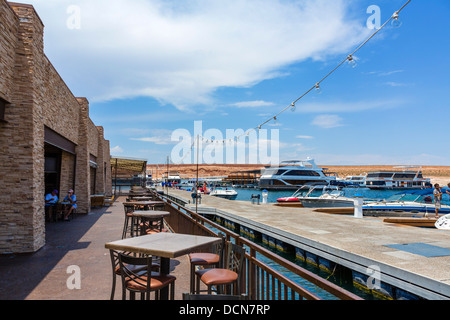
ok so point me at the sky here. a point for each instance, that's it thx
(155, 69)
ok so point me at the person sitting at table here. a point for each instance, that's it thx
(72, 199)
(50, 202)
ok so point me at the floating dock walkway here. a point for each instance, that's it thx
(412, 261)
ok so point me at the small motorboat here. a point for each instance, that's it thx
(300, 193)
(224, 192)
(333, 199)
(407, 202)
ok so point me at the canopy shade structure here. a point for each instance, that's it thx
(127, 167)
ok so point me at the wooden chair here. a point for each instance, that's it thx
(143, 282)
(229, 275)
(205, 259)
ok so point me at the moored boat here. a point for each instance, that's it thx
(224, 192)
(405, 177)
(410, 202)
(331, 196)
(290, 175)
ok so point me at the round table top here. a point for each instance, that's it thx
(143, 203)
(150, 213)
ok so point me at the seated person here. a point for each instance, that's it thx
(50, 201)
(72, 199)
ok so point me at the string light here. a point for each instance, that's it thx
(395, 22)
(293, 107)
(317, 88)
(351, 61)
(275, 120)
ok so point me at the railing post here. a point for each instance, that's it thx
(252, 274)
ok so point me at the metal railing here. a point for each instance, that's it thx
(260, 281)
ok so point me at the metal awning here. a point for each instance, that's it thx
(127, 167)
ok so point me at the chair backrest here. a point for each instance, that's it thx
(128, 208)
(115, 259)
(129, 273)
(235, 258)
(220, 248)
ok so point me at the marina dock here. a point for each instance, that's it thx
(409, 258)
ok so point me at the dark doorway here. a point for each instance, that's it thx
(52, 168)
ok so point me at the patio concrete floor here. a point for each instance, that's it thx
(43, 275)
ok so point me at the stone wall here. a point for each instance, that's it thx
(8, 43)
(38, 98)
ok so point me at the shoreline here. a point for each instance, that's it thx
(437, 174)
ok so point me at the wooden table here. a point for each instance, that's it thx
(144, 203)
(141, 198)
(138, 194)
(150, 215)
(164, 245)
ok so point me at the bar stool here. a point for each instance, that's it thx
(229, 275)
(151, 226)
(116, 269)
(143, 283)
(129, 222)
(205, 259)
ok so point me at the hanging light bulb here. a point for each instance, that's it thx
(396, 23)
(293, 107)
(318, 89)
(352, 61)
(275, 120)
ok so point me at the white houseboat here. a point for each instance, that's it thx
(290, 175)
(405, 177)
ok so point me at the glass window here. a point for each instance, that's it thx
(303, 173)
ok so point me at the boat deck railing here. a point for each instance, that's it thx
(260, 281)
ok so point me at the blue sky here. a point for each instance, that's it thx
(150, 67)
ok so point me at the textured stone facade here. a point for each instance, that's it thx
(39, 101)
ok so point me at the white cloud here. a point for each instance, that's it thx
(155, 140)
(396, 84)
(386, 73)
(159, 137)
(116, 150)
(350, 106)
(304, 137)
(252, 104)
(181, 52)
(328, 121)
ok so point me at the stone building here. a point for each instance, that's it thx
(47, 140)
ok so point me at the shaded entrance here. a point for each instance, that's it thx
(52, 168)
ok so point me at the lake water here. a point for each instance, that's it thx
(245, 194)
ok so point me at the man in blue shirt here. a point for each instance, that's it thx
(72, 199)
(50, 201)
